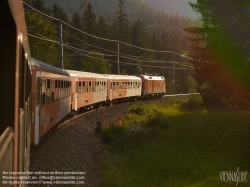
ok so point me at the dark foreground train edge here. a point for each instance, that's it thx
(36, 96)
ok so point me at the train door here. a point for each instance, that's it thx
(76, 95)
(153, 85)
(37, 119)
(111, 90)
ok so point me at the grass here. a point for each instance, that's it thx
(175, 142)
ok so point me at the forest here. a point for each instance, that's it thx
(210, 56)
(162, 34)
(222, 44)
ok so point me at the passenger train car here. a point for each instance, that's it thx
(88, 90)
(122, 87)
(51, 93)
(36, 96)
(15, 77)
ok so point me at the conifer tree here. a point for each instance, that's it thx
(89, 22)
(121, 21)
(222, 44)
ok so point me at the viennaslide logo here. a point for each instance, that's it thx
(233, 176)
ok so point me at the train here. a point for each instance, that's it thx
(36, 96)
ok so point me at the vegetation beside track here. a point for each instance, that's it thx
(175, 142)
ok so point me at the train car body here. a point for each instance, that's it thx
(15, 90)
(153, 86)
(88, 90)
(51, 97)
(122, 87)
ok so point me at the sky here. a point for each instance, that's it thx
(175, 6)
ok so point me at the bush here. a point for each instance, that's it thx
(194, 103)
(114, 134)
(137, 109)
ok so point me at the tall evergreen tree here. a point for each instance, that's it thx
(223, 46)
(76, 40)
(121, 21)
(57, 12)
(102, 27)
(89, 22)
(39, 5)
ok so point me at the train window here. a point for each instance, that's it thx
(87, 87)
(93, 86)
(56, 90)
(61, 89)
(76, 86)
(37, 90)
(64, 89)
(67, 88)
(79, 87)
(53, 90)
(43, 91)
(48, 91)
(121, 85)
(113, 85)
(83, 87)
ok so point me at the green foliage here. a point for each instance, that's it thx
(42, 49)
(191, 84)
(114, 135)
(89, 22)
(138, 109)
(190, 150)
(223, 73)
(195, 103)
(140, 25)
(96, 63)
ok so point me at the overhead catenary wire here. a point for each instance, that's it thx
(127, 63)
(77, 50)
(105, 39)
(72, 48)
(81, 50)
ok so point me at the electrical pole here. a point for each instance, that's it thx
(61, 48)
(173, 81)
(118, 63)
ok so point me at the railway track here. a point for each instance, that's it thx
(74, 145)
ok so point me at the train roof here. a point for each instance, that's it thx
(34, 63)
(17, 11)
(74, 73)
(148, 77)
(122, 77)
